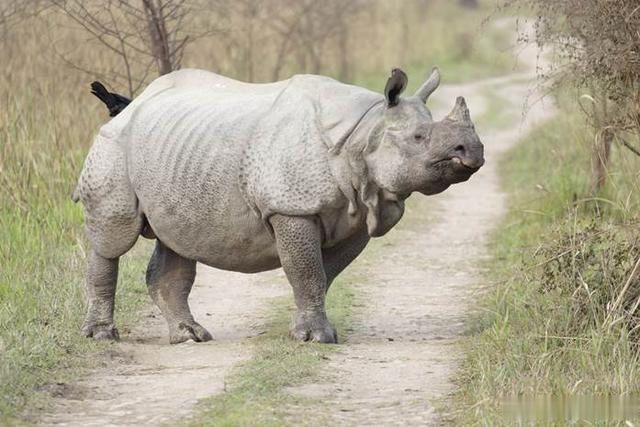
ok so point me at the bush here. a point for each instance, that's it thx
(562, 318)
(596, 43)
(594, 265)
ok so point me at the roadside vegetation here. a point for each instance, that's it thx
(46, 123)
(563, 318)
(48, 118)
(257, 392)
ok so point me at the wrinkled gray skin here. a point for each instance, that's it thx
(250, 177)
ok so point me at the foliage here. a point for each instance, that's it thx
(562, 317)
(47, 121)
(46, 124)
(42, 251)
(596, 43)
(594, 267)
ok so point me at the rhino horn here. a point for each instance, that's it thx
(460, 112)
(429, 86)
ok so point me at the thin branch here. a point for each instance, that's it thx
(629, 146)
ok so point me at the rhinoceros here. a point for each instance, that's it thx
(297, 174)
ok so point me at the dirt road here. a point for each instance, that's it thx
(398, 365)
(395, 367)
(149, 382)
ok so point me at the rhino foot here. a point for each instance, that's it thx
(101, 332)
(189, 331)
(317, 330)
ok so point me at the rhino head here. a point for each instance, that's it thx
(407, 151)
(399, 149)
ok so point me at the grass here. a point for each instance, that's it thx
(495, 116)
(43, 256)
(46, 125)
(256, 392)
(45, 129)
(458, 41)
(560, 261)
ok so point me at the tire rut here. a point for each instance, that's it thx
(146, 381)
(398, 366)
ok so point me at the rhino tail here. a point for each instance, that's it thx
(115, 103)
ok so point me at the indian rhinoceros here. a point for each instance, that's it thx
(247, 177)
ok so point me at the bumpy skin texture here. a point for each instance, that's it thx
(249, 177)
(169, 279)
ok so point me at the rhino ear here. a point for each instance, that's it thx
(460, 112)
(429, 86)
(395, 86)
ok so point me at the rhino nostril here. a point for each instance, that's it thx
(460, 149)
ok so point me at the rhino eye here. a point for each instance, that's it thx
(418, 137)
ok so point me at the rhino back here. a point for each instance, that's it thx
(211, 159)
(183, 155)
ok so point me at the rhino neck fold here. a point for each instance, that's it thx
(381, 208)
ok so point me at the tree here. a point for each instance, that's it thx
(143, 34)
(598, 43)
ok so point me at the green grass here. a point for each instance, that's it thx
(256, 392)
(47, 121)
(42, 254)
(559, 260)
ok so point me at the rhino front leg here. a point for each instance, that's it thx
(170, 278)
(299, 248)
(102, 276)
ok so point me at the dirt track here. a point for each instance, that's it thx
(397, 364)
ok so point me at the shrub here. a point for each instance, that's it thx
(597, 47)
(595, 265)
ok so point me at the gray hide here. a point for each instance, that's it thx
(250, 177)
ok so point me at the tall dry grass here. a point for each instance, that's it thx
(46, 126)
(48, 118)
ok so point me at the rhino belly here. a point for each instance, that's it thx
(184, 157)
(223, 235)
(201, 215)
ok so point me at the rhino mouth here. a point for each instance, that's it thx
(461, 164)
(467, 165)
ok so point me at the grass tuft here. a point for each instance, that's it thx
(561, 319)
(256, 393)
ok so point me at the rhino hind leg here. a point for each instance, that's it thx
(169, 279)
(113, 224)
(102, 274)
(299, 248)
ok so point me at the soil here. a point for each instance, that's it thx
(397, 365)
